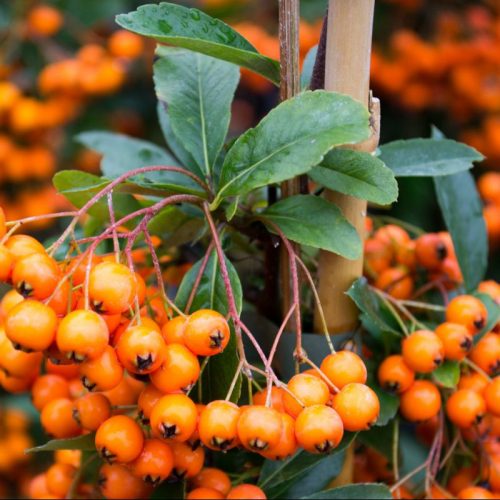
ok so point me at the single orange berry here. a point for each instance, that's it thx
(465, 408)
(462, 479)
(117, 482)
(147, 399)
(344, 367)
(204, 494)
(492, 397)
(124, 44)
(174, 417)
(423, 351)
(456, 339)
(47, 388)
(22, 245)
(155, 463)
(91, 410)
(358, 407)
(103, 373)
(420, 402)
(17, 363)
(37, 487)
(70, 457)
(474, 381)
(308, 389)
(218, 425)
(178, 371)
(396, 281)
(259, 428)
(57, 420)
(82, 335)
(31, 326)
(173, 330)
(486, 353)
(392, 235)
(287, 444)
(119, 439)
(6, 263)
(431, 250)
(206, 332)
(59, 479)
(246, 491)
(468, 311)
(474, 493)
(215, 479)
(44, 20)
(187, 462)
(394, 375)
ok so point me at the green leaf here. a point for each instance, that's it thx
(354, 491)
(84, 443)
(279, 478)
(198, 90)
(368, 302)
(291, 140)
(463, 213)
(307, 68)
(493, 315)
(428, 157)
(314, 221)
(194, 30)
(122, 154)
(389, 405)
(447, 374)
(357, 174)
(211, 294)
(173, 143)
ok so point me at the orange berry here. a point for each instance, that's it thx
(103, 373)
(486, 353)
(396, 281)
(119, 439)
(212, 478)
(456, 339)
(6, 263)
(36, 276)
(494, 472)
(15, 385)
(287, 444)
(140, 349)
(59, 479)
(117, 482)
(259, 428)
(112, 288)
(47, 388)
(31, 326)
(319, 429)
(473, 493)
(44, 20)
(173, 330)
(69, 457)
(344, 367)
(37, 487)
(206, 332)
(308, 389)
(431, 250)
(489, 187)
(406, 255)
(420, 402)
(60, 299)
(465, 408)
(358, 406)
(126, 392)
(91, 410)
(17, 363)
(467, 311)
(187, 462)
(82, 335)
(8, 302)
(147, 399)
(492, 397)
(178, 371)
(123, 43)
(277, 393)
(174, 417)
(392, 235)
(204, 494)
(218, 425)
(462, 479)
(423, 351)
(57, 420)
(474, 381)
(394, 375)
(246, 491)
(377, 255)
(155, 463)
(21, 245)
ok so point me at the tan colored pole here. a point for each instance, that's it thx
(347, 70)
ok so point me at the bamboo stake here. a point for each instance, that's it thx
(347, 70)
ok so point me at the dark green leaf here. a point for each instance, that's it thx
(493, 315)
(307, 68)
(211, 294)
(428, 157)
(277, 478)
(198, 90)
(292, 139)
(357, 174)
(84, 443)
(389, 405)
(463, 213)
(194, 30)
(122, 154)
(354, 491)
(314, 221)
(447, 374)
(378, 438)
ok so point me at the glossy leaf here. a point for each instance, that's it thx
(354, 491)
(463, 213)
(314, 221)
(292, 139)
(194, 30)
(428, 157)
(198, 90)
(357, 174)
(389, 405)
(447, 374)
(84, 443)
